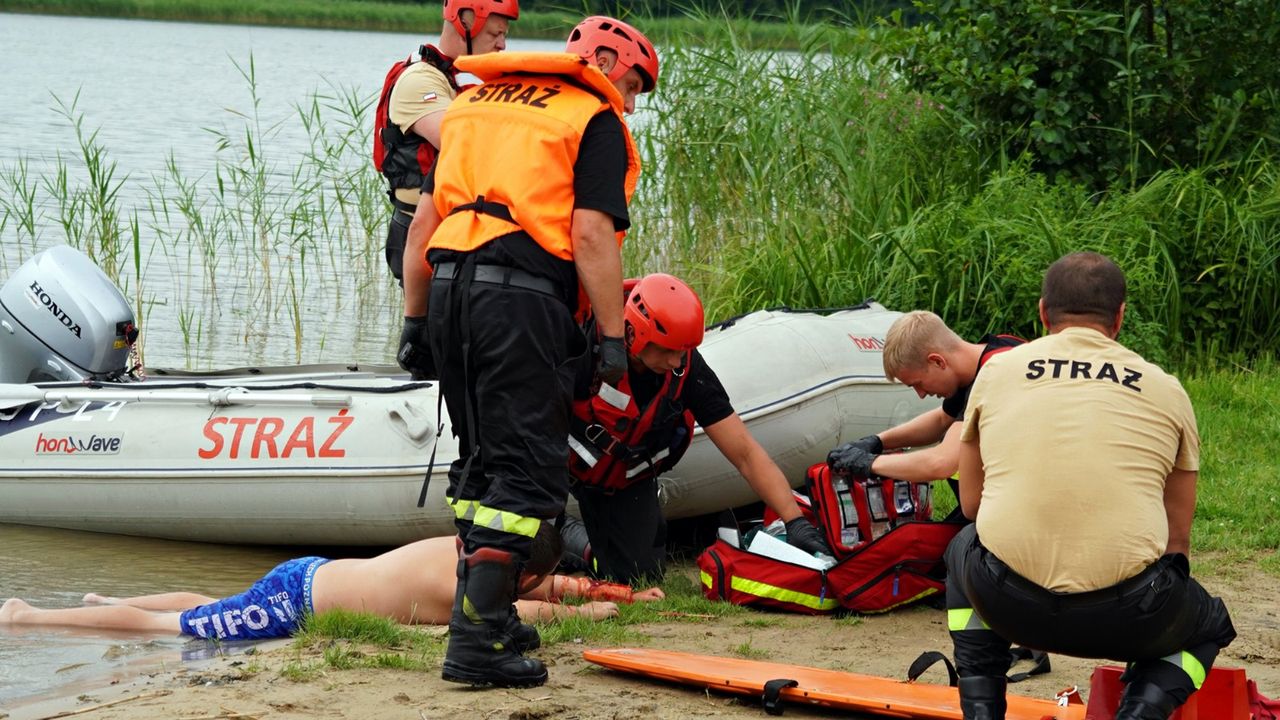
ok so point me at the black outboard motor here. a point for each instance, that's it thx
(62, 319)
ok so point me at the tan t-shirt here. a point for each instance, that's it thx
(420, 91)
(1077, 435)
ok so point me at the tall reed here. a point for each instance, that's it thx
(773, 177)
(812, 179)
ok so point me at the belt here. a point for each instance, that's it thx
(502, 275)
(1145, 581)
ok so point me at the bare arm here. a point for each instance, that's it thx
(599, 263)
(924, 429)
(539, 611)
(417, 273)
(735, 442)
(931, 463)
(972, 477)
(428, 127)
(1180, 507)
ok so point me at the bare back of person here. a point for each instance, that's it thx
(413, 584)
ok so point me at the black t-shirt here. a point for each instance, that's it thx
(702, 394)
(599, 183)
(955, 405)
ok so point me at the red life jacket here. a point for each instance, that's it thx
(615, 443)
(404, 159)
(998, 344)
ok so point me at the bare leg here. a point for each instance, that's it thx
(162, 601)
(109, 617)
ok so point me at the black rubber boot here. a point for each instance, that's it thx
(482, 651)
(1145, 701)
(982, 698)
(524, 637)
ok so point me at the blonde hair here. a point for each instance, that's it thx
(912, 337)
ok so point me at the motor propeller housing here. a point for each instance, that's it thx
(61, 318)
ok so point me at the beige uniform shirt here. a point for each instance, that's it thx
(1077, 435)
(420, 91)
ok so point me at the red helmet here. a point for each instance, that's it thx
(633, 48)
(483, 9)
(663, 310)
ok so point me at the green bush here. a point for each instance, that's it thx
(1104, 91)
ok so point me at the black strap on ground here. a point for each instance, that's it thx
(772, 695)
(928, 660)
(1039, 662)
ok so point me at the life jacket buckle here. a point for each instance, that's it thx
(600, 437)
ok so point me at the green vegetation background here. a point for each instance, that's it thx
(938, 165)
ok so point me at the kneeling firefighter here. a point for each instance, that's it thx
(524, 210)
(626, 434)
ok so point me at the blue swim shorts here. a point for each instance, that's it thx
(272, 608)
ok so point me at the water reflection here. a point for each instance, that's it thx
(55, 568)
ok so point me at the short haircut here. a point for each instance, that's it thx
(912, 337)
(1083, 286)
(545, 553)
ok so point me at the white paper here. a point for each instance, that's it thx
(729, 535)
(765, 544)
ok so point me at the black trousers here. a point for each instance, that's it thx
(506, 360)
(627, 531)
(1161, 621)
(397, 235)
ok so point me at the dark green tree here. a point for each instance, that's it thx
(1105, 91)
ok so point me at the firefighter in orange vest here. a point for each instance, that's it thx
(524, 207)
(412, 106)
(626, 434)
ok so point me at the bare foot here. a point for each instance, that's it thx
(11, 608)
(96, 599)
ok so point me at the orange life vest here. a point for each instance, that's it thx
(508, 147)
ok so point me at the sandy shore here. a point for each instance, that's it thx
(251, 686)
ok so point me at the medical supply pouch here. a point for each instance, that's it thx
(737, 575)
(896, 560)
(853, 510)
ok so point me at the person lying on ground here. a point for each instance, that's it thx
(413, 584)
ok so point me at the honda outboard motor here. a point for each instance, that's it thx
(61, 318)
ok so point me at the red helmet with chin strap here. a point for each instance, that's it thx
(632, 47)
(663, 310)
(483, 9)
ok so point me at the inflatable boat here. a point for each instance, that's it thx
(336, 454)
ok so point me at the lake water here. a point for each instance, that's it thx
(250, 253)
(151, 91)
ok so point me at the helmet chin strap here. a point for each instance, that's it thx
(467, 35)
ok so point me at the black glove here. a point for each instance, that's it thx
(871, 443)
(611, 360)
(852, 459)
(802, 534)
(415, 350)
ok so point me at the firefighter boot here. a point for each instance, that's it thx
(524, 637)
(982, 698)
(481, 649)
(1145, 701)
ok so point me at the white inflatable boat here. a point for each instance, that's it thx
(336, 454)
